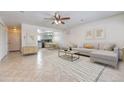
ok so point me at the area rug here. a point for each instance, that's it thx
(81, 70)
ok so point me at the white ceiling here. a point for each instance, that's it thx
(15, 18)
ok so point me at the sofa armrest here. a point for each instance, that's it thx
(116, 50)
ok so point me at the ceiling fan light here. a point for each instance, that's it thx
(56, 22)
(59, 21)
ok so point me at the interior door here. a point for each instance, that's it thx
(14, 39)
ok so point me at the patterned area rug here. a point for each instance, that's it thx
(81, 69)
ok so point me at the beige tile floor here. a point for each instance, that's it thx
(33, 68)
(23, 68)
(18, 68)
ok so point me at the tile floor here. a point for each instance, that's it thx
(34, 68)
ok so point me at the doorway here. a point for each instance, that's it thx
(14, 39)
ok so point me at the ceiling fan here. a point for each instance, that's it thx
(57, 19)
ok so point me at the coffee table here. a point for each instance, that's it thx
(69, 53)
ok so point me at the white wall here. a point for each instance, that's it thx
(113, 27)
(28, 30)
(59, 36)
(3, 40)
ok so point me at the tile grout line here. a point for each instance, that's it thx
(97, 78)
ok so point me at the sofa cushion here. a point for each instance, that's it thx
(104, 54)
(106, 46)
(84, 49)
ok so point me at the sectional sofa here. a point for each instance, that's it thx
(106, 53)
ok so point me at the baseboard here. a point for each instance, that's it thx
(15, 51)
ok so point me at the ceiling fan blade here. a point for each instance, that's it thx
(53, 22)
(59, 17)
(62, 22)
(65, 18)
(55, 16)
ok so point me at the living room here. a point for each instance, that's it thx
(62, 46)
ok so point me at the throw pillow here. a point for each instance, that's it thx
(89, 46)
